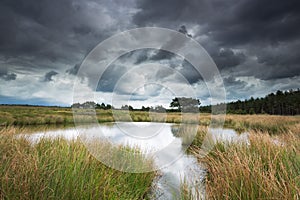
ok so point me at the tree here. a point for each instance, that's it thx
(89, 104)
(185, 104)
(124, 107)
(130, 108)
(127, 107)
(159, 108)
(108, 107)
(103, 106)
(145, 109)
(76, 105)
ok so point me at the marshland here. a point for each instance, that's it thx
(265, 164)
(143, 99)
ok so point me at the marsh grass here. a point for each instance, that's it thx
(24, 115)
(262, 123)
(188, 192)
(262, 170)
(60, 169)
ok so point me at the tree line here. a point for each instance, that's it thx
(91, 104)
(278, 103)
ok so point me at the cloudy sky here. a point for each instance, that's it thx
(254, 43)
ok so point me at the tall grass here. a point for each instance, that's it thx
(262, 123)
(262, 170)
(60, 169)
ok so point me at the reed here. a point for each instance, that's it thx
(60, 169)
(265, 169)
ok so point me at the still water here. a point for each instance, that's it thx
(175, 166)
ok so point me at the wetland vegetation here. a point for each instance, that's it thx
(266, 167)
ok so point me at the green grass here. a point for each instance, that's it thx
(59, 169)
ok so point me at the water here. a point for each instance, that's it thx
(175, 166)
(228, 135)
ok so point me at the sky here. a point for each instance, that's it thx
(255, 45)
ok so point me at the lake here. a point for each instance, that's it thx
(161, 141)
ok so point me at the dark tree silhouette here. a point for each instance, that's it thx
(185, 104)
(279, 103)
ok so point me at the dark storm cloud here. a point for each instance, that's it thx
(226, 58)
(110, 77)
(252, 25)
(163, 65)
(283, 60)
(189, 72)
(238, 21)
(160, 54)
(50, 34)
(184, 31)
(236, 89)
(142, 57)
(48, 76)
(73, 70)
(7, 76)
(229, 81)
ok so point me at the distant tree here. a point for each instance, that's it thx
(124, 107)
(108, 107)
(185, 104)
(89, 104)
(103, 106)
(130, 108)
(127, 107)
(158, 109)
(145, 109)
(76, 105)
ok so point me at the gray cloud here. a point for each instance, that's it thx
(160, 54)
(7, 76)
(226, 58)
(124, 63)
(184, 31)
(73, 70)
(48, 76)
(110, 77)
